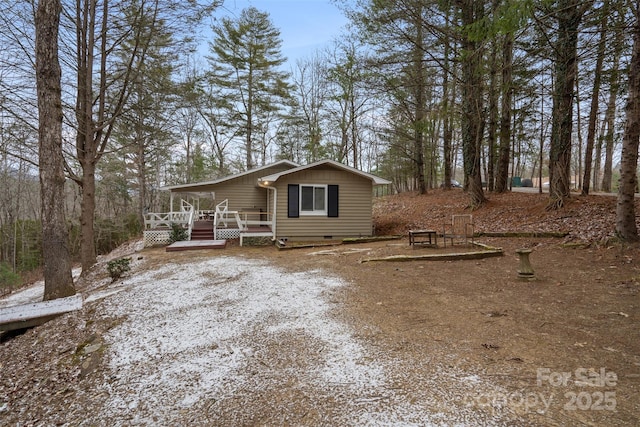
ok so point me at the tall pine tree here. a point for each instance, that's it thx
(625, 211)
(245, 62)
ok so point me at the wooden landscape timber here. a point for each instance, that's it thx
(286, 245)
(487, 252)
(351, 240)
(528, 234)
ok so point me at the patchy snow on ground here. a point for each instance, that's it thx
(35, 291)
(237, 341)
(31, 293)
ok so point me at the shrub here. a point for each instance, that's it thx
(118, 267)
(178, 233)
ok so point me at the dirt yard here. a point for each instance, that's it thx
(316, 336)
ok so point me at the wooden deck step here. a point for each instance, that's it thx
(202, 235)
(209, 236)
(193, 245)
(202, 230)
(197, 225)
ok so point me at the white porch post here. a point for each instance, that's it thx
(273, 219)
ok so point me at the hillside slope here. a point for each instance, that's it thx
(589, 219)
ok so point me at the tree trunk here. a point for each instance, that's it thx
(249, 137)
(447, 133)
(597, 158)
(593, 112)
(250, 119)
(614, 89)
(579, 133)
(420, 110)
(568, 16)
(493, 116)
(55, 250)
(344, 140)
(625, 210)
(87, 215)
(353, 114)
(86, 154)
(472, 104)
(87, 139)
(502, 176)
(142, 181)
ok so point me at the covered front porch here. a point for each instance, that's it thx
(206, 225)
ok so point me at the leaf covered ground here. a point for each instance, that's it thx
(586, 219)
(315, 336)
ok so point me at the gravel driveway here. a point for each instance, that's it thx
(228, 340)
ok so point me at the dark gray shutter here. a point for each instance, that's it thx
(293, 201)
(332, 201)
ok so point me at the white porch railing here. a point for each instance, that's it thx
(227, 224)
(247, 222)
(157, 226)
(243, 219)
(164, 220)
(191, 219)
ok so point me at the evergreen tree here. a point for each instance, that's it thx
(398, 32)
(568, 15)
(625, 211)
(472, 12)
(245, 62)
(145, 128)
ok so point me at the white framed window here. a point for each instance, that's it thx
(313, 199)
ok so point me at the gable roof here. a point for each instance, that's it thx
(186, 187)
(376, 180)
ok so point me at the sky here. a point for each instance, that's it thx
(305, 25)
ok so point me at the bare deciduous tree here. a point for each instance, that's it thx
(57, 266)
(112, 41)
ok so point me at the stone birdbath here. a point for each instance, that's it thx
(525, 271)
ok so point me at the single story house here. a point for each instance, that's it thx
(287, 201)
(322, 200)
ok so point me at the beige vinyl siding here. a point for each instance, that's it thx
(354, 206)
(242, 192)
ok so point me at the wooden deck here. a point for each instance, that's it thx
(191, 245)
